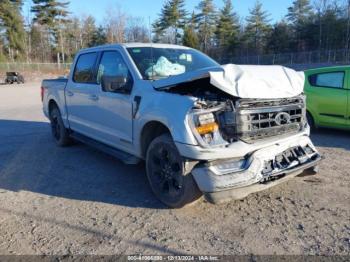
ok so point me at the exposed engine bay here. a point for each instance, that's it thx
(219, 118)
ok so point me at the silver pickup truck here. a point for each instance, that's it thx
(224, 131)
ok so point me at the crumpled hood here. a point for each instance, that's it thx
(246, 81)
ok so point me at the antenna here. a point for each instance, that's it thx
(150, 29)
(150, 39)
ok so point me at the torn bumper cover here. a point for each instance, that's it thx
(237, 178)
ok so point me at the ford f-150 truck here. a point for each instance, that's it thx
(224, 131)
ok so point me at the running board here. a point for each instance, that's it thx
(121, 155)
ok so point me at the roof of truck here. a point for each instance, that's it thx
(135, 45)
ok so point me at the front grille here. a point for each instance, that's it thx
(266, 118)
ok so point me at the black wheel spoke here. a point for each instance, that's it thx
(173, 187)
(176, 168)
(156, 160)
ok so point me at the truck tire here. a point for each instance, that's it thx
(167, 175)
(59, 132)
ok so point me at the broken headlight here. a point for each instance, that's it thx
(205, 127)
(229, 166)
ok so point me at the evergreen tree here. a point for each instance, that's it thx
(12, 24)
(173, 15)
(88, 30)
(257, 28)
(51, 14)
(158, 31)
(99, 37)
(300, 15)
(206, 20)
(279, 40)
(190, 37)
(227, 30)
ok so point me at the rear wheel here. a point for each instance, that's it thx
(167, 175)
(59, 132)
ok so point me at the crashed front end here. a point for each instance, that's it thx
(271, 140)
(248, 140)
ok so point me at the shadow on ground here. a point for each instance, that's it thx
(30, 161)
(326, 137)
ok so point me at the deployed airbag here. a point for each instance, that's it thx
(164, 68)
(258, 81)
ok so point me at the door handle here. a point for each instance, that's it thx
(70, 93)
(93, 97)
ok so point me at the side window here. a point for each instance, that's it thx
(84, 69)
(332, 80)
(113, 65)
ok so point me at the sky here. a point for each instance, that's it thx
(151, 8)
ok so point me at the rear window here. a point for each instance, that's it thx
(332, 79)
(84, 69)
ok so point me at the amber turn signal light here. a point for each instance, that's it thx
(207, 128)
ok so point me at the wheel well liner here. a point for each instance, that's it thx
(149, 132)
(52, 104)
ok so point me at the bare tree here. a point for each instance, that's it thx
(115, 22)
(136, 31)
(347, 45)
(320, 7)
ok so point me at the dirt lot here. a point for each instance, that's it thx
(77, 200)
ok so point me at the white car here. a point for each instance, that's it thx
(224, 131)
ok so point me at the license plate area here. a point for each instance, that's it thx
(287, 160)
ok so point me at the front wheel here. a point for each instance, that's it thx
(167, 175)
(59, 131)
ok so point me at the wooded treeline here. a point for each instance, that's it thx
(307, 26)
(55, 35)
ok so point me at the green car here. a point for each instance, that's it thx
(328, 97)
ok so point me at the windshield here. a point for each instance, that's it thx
(156, 63)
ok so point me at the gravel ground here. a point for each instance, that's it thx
(77, 200)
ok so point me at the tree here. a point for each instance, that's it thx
(88, 30)
(115, 23)
(257, 27)
(206, 20)
(227, 30)
(11, 22)
(278, 41)
(347, 45)
(190, 37)
(99, 37)
(41, 49)
(299, 15)
(51, 15)
(173, 15)
(136, 31)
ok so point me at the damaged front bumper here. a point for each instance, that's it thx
(266, 167)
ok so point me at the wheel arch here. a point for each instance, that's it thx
(309, 112)
(150, 131)
(52, 104)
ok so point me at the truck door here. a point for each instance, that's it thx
(81, 93)
(328, 97)
(114, 108)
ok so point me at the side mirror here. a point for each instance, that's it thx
(113, 83)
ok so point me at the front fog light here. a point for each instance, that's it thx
(231, 166)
